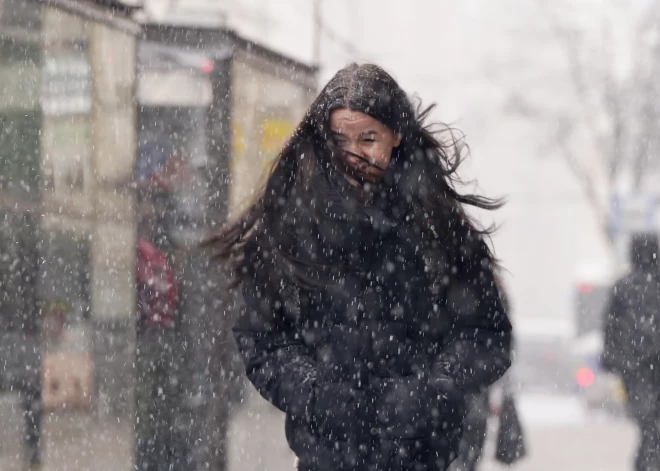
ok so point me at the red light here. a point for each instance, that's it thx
(585, 377)
(207, 66)
(585, 287)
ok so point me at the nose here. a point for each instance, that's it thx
(354, 148)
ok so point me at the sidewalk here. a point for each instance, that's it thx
(73, 441)
(256, 437)
(593, 446)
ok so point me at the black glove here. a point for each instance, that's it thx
(341, 411)
(410, 407)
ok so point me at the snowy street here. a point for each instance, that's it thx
(560, 436)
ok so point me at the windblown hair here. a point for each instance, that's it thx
(422, 172)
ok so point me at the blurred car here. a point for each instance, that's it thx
(600, 390)
(542, 362)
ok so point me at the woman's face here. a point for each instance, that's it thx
(366, 143)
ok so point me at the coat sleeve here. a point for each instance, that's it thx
(277, 362)
(477, 349)
(613, 344)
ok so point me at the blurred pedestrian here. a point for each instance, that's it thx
(632, 343)
(475, 428)
(510, 445)
(370, 305)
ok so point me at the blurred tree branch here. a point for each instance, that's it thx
(616, 112)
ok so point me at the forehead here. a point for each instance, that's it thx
(344, 119)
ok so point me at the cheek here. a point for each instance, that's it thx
(381, 155)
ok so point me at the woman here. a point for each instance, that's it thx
(370, 307)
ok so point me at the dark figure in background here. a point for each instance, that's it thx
(509, 438)
(632, 343)
(158, 446)
(371, 310)
(474, 431)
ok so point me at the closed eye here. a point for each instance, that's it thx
(339, 137)
(341, 142)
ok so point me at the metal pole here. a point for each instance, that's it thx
(318, 31)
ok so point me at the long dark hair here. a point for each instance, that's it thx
(422, 171)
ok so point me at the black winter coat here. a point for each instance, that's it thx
(372, 363)
(632, 322)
